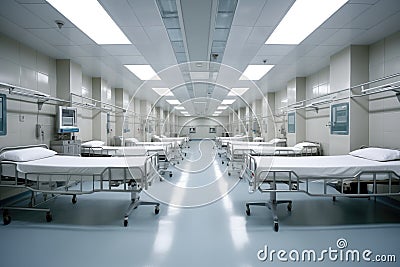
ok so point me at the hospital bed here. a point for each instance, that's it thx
(42, 172)
(236, 151)
(173, 152)
(180, 141)
(369, 166)
(222, 142)
(164, 152)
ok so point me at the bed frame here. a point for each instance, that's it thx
(73, 186)
(236, 156)
(265, 181)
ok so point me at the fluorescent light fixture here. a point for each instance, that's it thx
(143, 72)
(255, 72)
(222, 107)
(91, 18)
(185, 112)
(173, 101)
(217, 112)
(237, 91)
(302, 19)
(199, 75)
(180, 108)
(163, 91)
(215, 115)
(228, 101)
(285, 100)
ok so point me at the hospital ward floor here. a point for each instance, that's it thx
(202, 222)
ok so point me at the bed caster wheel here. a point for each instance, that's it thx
(229, 174)
(177, 162)
(74, 199)
(219, 155)
(170, 175)
(125, 222)
(276, 226)
(6, 217)
(227, 164)
(223, 162)
(157, 210)
(185, 154)
(248, 212)
(333, 199)
(49, 217)
(289, 207)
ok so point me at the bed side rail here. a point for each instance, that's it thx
(4, 149)
(332, 187)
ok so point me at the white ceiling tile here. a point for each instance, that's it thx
(31, 1)
(19, 15)
(48, 14)
(121, 50)
(379, 31)
(136, 35)
(323, 50)
(273, 12)
(51, 36)
(370, 2)
(275, 50)
(273, 60)
(343, 37)
(247, 12)
(357, 22)
(94, 50)
(375, 14)
(76, 36)
(146, 12)
(121, 12)
(259, 35)
(345, 15)
(72, 51)
(27, 38)
(319, 35)
(134, 60)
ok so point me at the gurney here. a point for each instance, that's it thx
(42, 171)
(360, 168)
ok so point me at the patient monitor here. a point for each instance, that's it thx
(67, 120)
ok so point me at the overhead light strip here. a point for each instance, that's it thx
(143, 72)
(237, 91)
(228, 101)
(91, 18)
(302, 19)
(255, 72)
(173, 102)
(163, 91)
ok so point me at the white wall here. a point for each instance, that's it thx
(280, 119)
(23, 66)
(316, 122)
(85, 116)
(202, 126)
(384, 117)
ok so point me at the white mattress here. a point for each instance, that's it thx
(325, 166)
(85, 166)
(126, 150)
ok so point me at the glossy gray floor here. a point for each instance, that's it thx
(215, 233)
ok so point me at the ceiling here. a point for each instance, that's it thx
(199, 86)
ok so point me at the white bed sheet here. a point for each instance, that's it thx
(126, 150)
(324, 166)
(85, 166)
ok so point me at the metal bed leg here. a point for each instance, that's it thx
(135, 203)
(272, 204)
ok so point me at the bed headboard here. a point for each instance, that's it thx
(21, 147)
